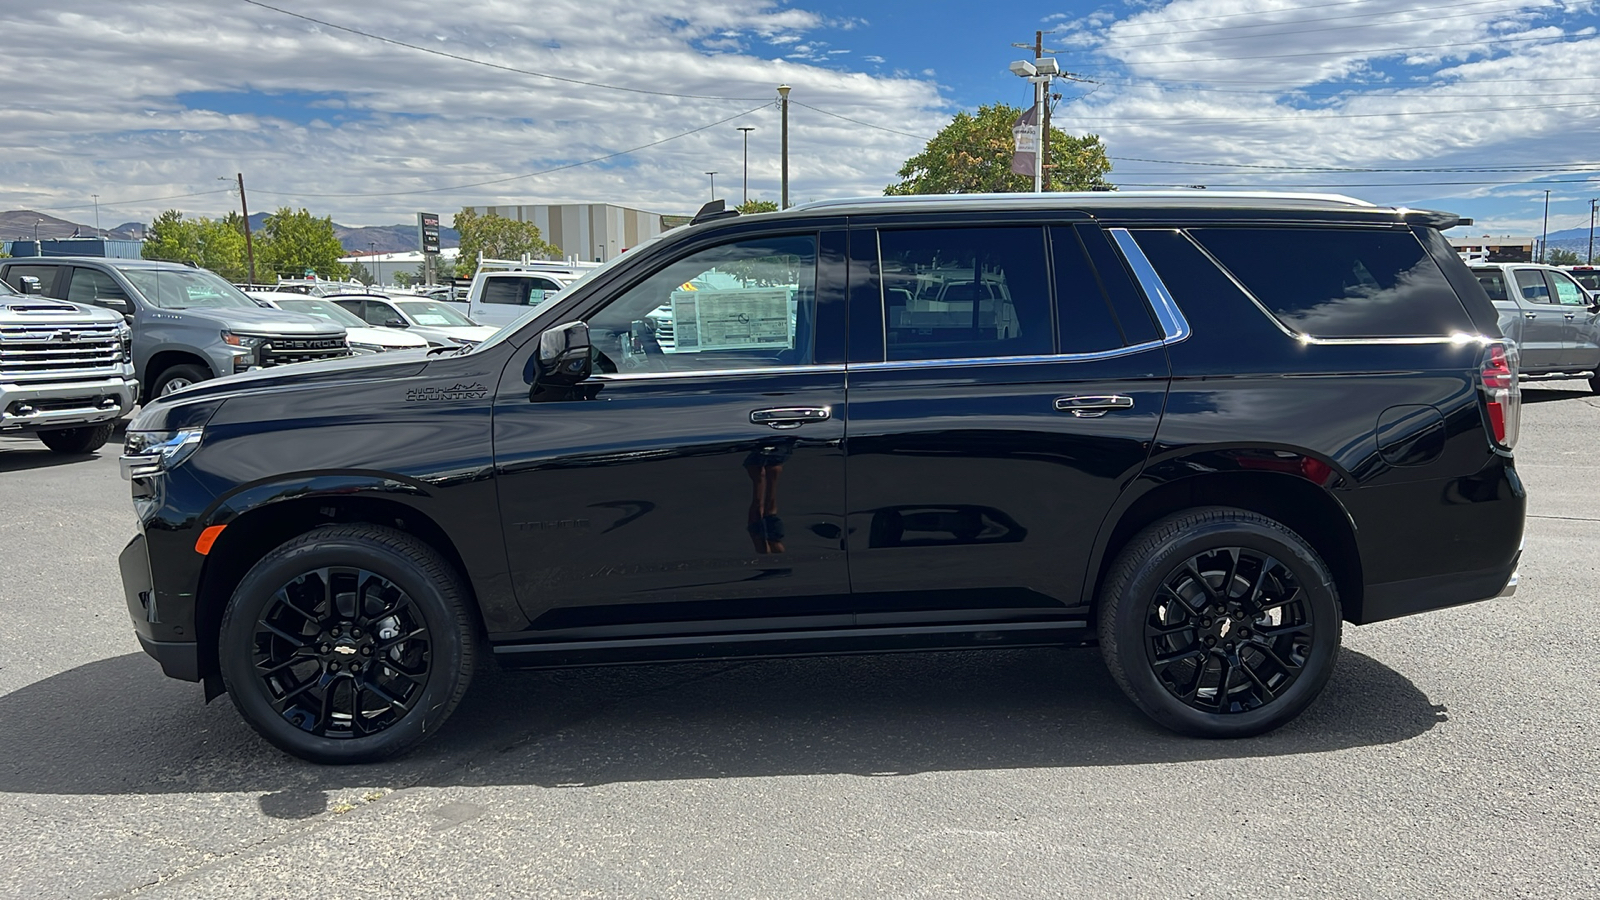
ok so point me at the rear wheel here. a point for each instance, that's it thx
(86, 439)
(348, 644)
(1219, 622)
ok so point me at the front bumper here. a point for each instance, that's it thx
(34, 407)
(178, 659)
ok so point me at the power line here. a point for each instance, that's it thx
(480, 62)
(1138, 40)
(1375, 51)
(919, 137)
(1318, 115)
(508, 178)
(1560, 167)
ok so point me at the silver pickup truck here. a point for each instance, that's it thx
(66, 371)
(1554, 321)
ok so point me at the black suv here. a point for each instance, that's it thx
(1202, 430)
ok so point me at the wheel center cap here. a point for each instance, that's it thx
(345, 649)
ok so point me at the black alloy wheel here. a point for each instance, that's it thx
(349, 643)
(342, 652)
(1228, 630)
(1220, 622)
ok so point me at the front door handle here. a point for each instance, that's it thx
(790, 416)
(1571, 316)
(1529, 315)
(1089, 407)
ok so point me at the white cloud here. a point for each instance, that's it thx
(110, 117)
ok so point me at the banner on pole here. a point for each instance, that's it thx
(1024, 136)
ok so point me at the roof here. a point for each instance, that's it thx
(107, 260)
(1092, 200)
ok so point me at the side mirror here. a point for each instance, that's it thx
(119, 304)
(29, 285)
(564, 354)
(395, 323)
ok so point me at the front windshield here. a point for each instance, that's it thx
(324, 309)
(186, 289)
(432, 312)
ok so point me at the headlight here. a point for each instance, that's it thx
(146, 453)
(247, 341)
(357, 347)
(125, 341)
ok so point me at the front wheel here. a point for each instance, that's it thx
(348, 644)
(1218, 622)
(86, 439)
(176, 378)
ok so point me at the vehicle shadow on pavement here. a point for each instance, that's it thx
(117, 726)
(1547, 395)
(19, 454)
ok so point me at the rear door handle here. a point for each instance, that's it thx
(790, 416)
(1089, 407)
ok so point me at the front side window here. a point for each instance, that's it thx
(1532, 285)
(745, 304)
(965, 293)
(186, 289)
(93, 286)
(1341, 282)
(1567, 291)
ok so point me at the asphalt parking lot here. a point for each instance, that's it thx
(1454, 754)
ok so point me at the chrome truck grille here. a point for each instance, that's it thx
(38, 352)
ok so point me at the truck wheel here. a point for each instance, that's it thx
(86, 439)
(1218, 622)
(176, 378)
(348, 644)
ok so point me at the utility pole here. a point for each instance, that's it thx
(783, 103)
(96, 214)
(372, 257)
(747, 129)
(249, 241)
(1591, 230)
(1544, 242)
(1043, 117)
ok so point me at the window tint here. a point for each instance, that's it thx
(510, 290)
(1083, 313)
(1531, 283)
(964, 293)
(1494, 283)
(45, 274)
(1127, 300)
(745, 304)
(92, 286)
(1588, 279)
(379, 313)
(1341, 283)
(1567, 291)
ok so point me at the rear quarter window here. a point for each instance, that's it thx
(1341, 282)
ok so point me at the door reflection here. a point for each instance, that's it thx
(764, 466)
(933, 526)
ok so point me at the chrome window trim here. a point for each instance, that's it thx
(832, 368)
(1457, 338)
(1173, 324)
(1006, 360)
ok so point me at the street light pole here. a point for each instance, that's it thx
(96, 214)
(783, 103)
(747, 129)
(713, 184)
(1544, 242)
(372, 254)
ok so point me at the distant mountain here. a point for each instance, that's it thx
(17, 224)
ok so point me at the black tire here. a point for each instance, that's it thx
(86, 439)
(177, 377)
(341, 694)
(1218, 663)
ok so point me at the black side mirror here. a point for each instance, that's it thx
(564, 354)
(29, 285)
(395, 323)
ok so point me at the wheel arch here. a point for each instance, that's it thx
(162, 360)
(251, 534)
(1305, 507)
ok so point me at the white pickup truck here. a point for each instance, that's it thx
(504, 291)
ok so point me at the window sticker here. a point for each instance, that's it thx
(743, 319)
(430, 319)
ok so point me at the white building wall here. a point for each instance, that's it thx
(587, 231)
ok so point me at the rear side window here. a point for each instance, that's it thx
(45, 274)
(1341, 283)
(1531, 283)
(1494, 284)
(508, 291)
(965, 293)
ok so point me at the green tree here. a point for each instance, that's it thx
(750, 207)
(497, 237)
(293, 241)
(359, 272)
(973, 153)
(215, 244)
(1560, 257)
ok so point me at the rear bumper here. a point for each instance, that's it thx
(35, 407)
(1403, 598)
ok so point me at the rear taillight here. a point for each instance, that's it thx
(1502, 394)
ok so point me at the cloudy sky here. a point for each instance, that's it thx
(1477, 106)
